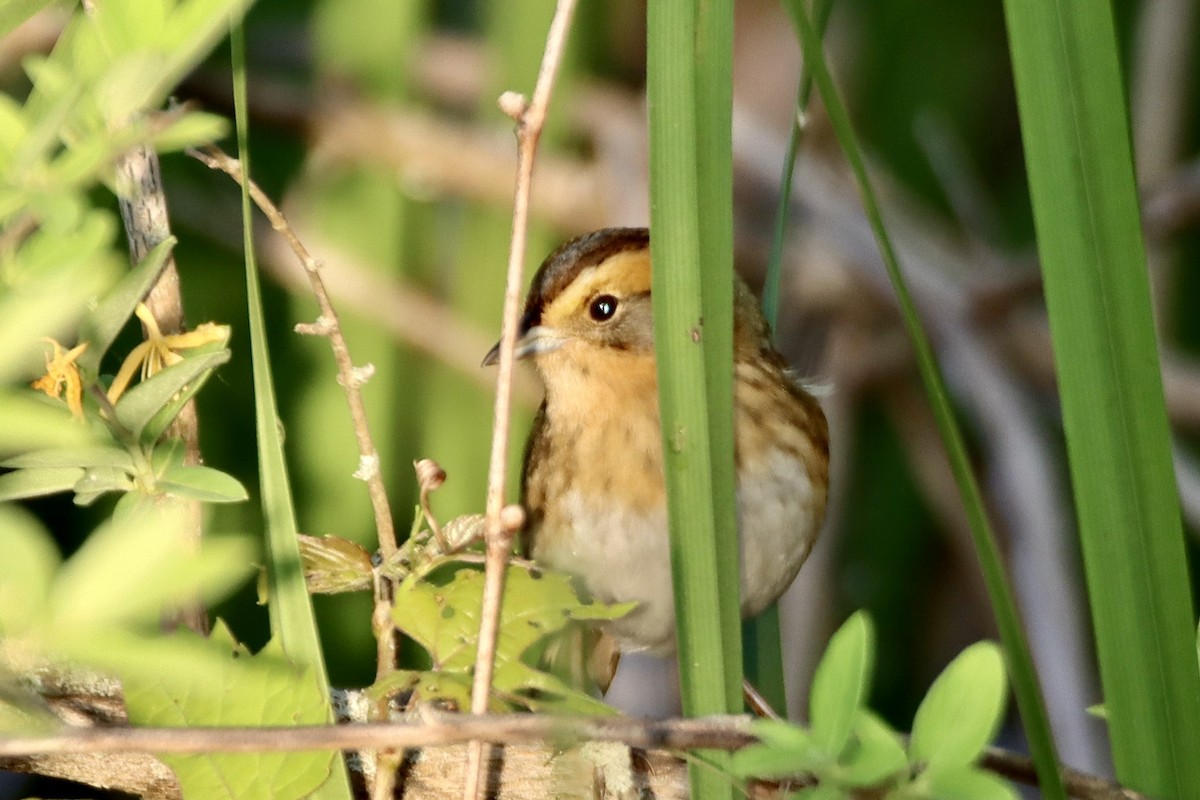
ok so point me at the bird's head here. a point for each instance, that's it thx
(590, 298)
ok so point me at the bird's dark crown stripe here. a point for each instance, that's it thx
(563, 265)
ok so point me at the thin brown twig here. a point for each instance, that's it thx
(349, 376)
(723, 733)
(97, 724)
(351, 379)
(1021, 769)
(717, 732)
(530, 118)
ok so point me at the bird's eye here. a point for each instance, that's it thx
(603, 307)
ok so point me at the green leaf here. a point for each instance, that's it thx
(26, 570)
(144, 402)
(14, 12)
(333, 564)
(39, 481)
(453, 688)
(101, 325)
(874, 755)
(191, 130)
(87, 456)
(961, 711)
(130, 503)
(235, 690)
(159, 422)
(33, 421)
(841, 682)
(128, 85)
(127, 572)
(167, 453)
(968, 783)
(203, 483)
(100, 480)
(444, 619)
(784, 750)
(541, 692)
(47, 303)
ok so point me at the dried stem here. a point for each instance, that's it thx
(94, 705)
(722, 733)
(530, 118)
(351, 379)
(143, 206)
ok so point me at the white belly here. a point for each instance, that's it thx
(623, 556)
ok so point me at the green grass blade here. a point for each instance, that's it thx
(762, 657)
(770, 294)
(1016, 648)
(761, 643)
(713, 81)
(1076, 132)
(689, 43)
(292, 622)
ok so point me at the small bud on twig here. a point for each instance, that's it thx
(322, 326)
(368, 467)
(360, 375)
(513, 104)
(512, 518)
(430, 476)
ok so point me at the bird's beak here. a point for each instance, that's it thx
(535, 341)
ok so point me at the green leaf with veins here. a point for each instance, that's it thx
(444, 619)
(333, 564)
(235, 688)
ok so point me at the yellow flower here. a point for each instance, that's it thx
(158, 351)
(62, 378)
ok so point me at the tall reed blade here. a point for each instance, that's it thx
(1076, 132)
(1016, 648)
(761, 635)
(690, 56)
(292, 620)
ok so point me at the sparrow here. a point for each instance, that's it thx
(593, 486)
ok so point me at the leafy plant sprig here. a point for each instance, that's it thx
(846, 748)
(439, 589)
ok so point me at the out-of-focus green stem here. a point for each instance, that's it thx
(1020, 662)
(761, 635)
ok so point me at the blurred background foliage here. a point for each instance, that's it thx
(374, 124)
